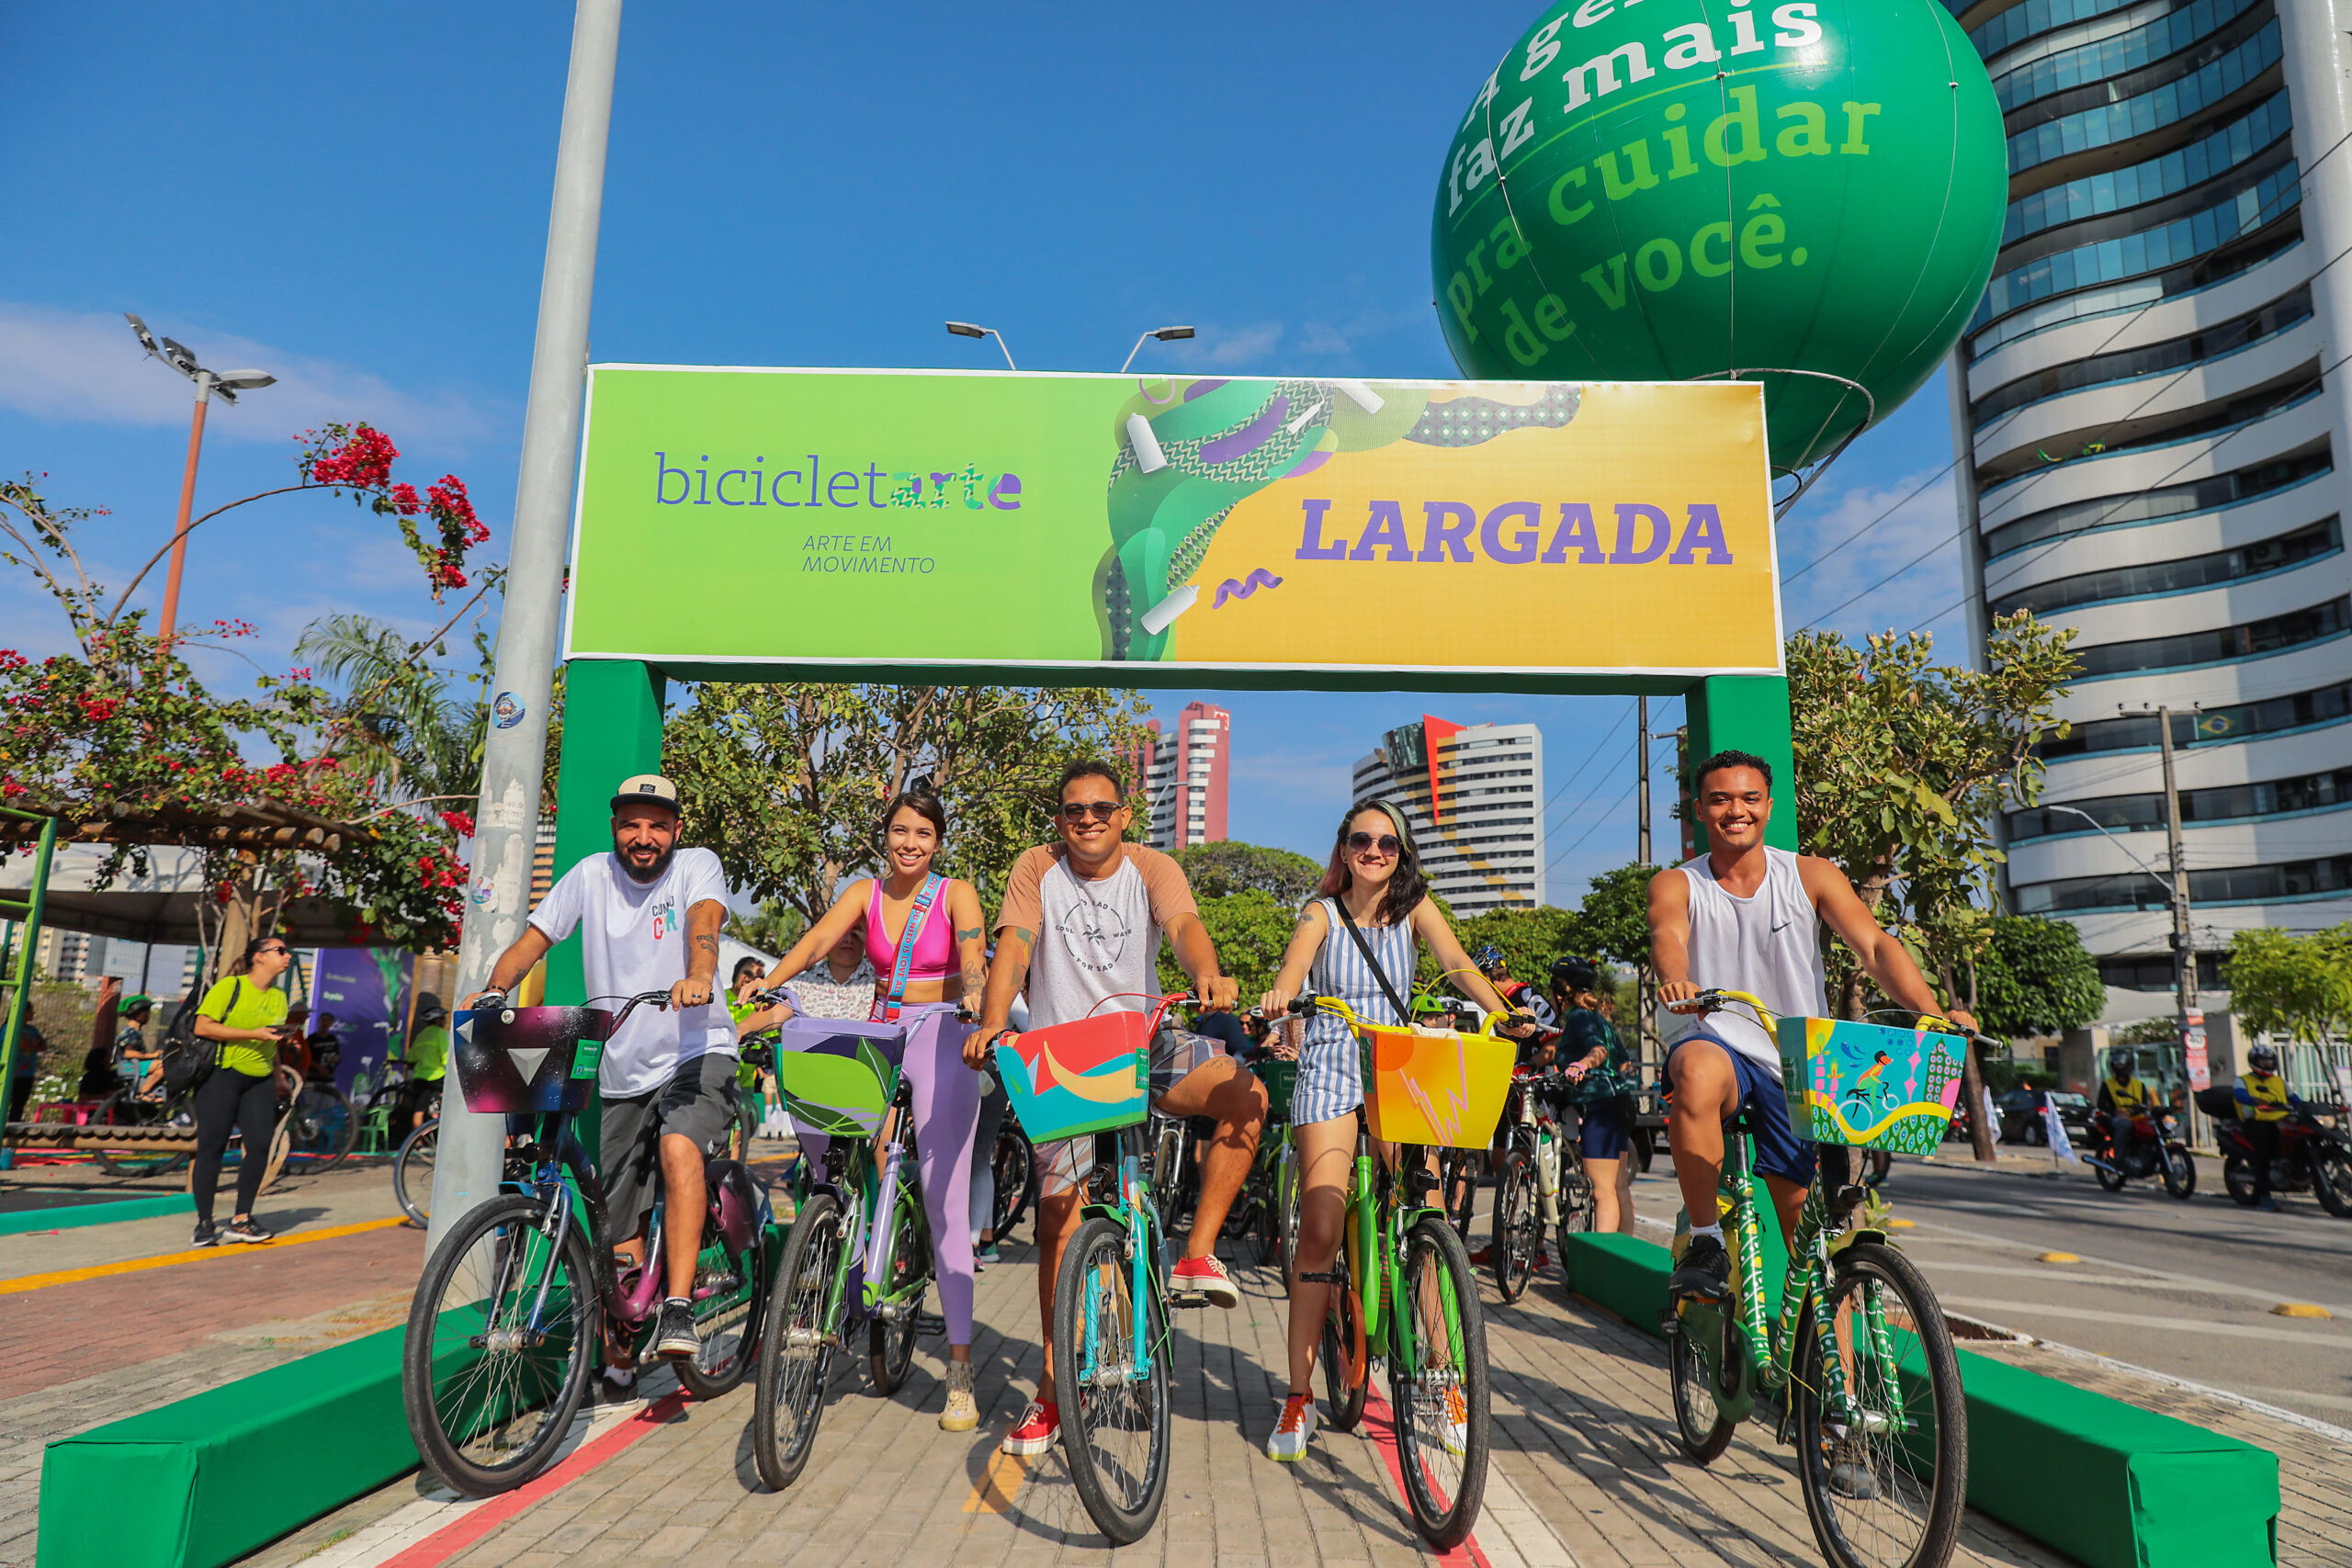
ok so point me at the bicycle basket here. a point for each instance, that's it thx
(1435, 1087)
(1069, 1079)
(1870, 1086)
(839, 1076)
(511, 1061)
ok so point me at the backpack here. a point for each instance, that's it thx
(188, 1059)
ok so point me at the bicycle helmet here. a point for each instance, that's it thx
(1490, 961)
(2121, 1064)
(2262, 1058)
(133, 1005)
(1574, 975)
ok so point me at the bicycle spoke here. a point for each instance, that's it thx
(1113, 1399)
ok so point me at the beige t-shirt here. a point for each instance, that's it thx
(1096, 939)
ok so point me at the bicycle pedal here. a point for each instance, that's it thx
(928, 1324)
(1187, 1299)
(1333, 1278)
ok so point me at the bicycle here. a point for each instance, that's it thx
(1539, 1181)
(860, 1245)
(413, 1172)
(1859, 1344)
(1016, 1175)
(125, 1107)
(1402, 1286)
(516, 1300)
(321, 1126)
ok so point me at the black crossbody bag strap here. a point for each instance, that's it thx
(1403, 1013)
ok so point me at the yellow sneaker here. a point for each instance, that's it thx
(963, 1412)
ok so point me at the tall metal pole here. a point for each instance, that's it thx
(1642, 779)
(2183, 950)
(170, 616)
(507, 826)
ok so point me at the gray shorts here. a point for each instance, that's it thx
(698, 1102)
(1176, 1054)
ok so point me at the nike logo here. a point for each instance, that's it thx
(1783, 925)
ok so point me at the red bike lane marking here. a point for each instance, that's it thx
(454, 1536)
(1381, 1422)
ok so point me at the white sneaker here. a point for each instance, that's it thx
(1294, 1430)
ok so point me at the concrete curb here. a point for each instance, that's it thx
(73, 1216)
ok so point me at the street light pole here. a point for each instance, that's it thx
(967, 329)
(1165, 334)
(224, 385)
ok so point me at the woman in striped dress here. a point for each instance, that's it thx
(1374, 883)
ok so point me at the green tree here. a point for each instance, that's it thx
(1250, 929)
(1230, 867)
(1528, 938)
(2298, 986)
(774, 930)
(1616, 915)
(2035, 977)
(786, 782)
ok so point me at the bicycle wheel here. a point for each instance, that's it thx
(322, 1129)
(1705, 1432)
(1519, 1229)
(121, 1109)
(501, 1336)
(1347, 1383)
(1442, 1405)
(1884, 1488)
(729, 1317)
(1286, 1198)
(1010, 1161)
(412, 1173)
(1115, 1408)
(796, 1347)
(890, 1346)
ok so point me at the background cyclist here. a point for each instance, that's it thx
(1745, 917)
(647, 916)
(1590, 1052)
(1081, 927)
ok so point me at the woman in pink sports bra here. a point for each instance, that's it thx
(923, 936)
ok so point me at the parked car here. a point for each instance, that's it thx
(2022, 1122)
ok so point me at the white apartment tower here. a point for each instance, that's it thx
(1473, 795)
(1182, 775)
(2150, 404)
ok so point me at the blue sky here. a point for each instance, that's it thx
(355, 199)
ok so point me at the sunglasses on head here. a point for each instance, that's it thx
(1100, 810)
(1389, 843)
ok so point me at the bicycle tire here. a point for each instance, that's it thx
(1442, 1448)
(1347, 1381)
(1935, 1501)
(449, 1377)
(1705, 1432)
(728, 1326)
(1286, 1200)
(1519, 1229)
(1009, 1159)
(122, 1110)
(1103, 1391)
(890, 1346)
(796, 1347)
(413, 1172)
(323, 1129)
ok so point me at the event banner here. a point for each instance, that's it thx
(994, 520)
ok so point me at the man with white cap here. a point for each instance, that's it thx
(649, 915)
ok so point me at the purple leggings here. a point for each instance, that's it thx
(947, 1111)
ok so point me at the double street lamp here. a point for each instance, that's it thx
(1165, 334)
(222, 384)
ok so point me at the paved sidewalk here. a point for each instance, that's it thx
(1586, 1472)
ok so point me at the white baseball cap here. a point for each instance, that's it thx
(647, 787)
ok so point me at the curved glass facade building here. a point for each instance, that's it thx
(2154, 421)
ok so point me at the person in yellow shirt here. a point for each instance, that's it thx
(2124, 1096)
(2263, 1102)
(428, 1062)
(244, 1015)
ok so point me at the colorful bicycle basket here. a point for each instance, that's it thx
(512, 1061)
(1869, 1086)
(840, 1076)
(1435, 1087)
(1069, 1079)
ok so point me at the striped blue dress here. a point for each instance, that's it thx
(1330, 1061)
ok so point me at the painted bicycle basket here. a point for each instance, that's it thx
(839, 1076)
(1870, 1086)
(1281, 1079)
(1067, 1079)
(511, 1061)
(1435, 1087)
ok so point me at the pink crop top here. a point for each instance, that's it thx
(934, 954)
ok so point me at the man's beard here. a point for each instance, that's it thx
(653, 874)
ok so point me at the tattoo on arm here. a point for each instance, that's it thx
(968, 933)
(706, 943)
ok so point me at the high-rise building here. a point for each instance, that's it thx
(1182, 775)
(1473, 795)
(2149, 402)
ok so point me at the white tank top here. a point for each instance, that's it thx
(1768, 945)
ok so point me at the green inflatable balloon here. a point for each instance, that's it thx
(1809, 195)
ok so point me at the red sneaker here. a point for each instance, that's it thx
(1206, 1277)
(1040, 1429)
(1482, 1259)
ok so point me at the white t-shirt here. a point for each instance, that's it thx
(633, 939)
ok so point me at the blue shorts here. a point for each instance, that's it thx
(1603, 1134)
(1778, 1152)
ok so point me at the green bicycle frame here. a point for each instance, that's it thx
(881, 1199)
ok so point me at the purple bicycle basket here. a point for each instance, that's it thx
(511, 1061)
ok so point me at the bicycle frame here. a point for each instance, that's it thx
(873, 1197)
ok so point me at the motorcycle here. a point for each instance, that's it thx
(2313, 1158)
(2155, 1148)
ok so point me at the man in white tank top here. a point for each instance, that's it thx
(1746, 917)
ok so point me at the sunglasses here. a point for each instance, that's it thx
(1389, 843)
(259, 951)
(1100, 810)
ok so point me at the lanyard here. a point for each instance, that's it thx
(885, 1009)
